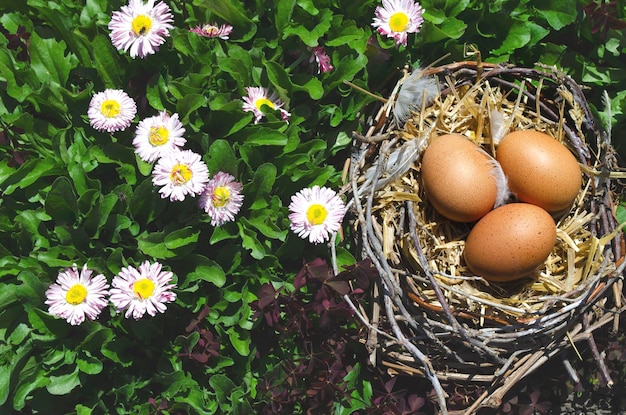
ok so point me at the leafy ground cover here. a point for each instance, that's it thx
(248, 318)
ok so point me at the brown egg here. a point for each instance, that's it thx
(461, 181)
(510, 242)
(540, 170)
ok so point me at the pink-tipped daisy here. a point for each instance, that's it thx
(143, 290)
(111, 110)
(397, 18)
(319, 55)
(316, 213)
(158, 136)
(76, 294)
(257, 98)
(221, 198)
(140, 28)
(180, 173)
(213, 30)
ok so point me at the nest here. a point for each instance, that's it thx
(428, 315)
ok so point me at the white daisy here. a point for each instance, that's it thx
(142, 290)
(258, 97)
(213, 30)
(140, 28)
(158, 136)
(111, 110)
(221, 198)
(75, 295)
(180, 173)
(316, 213)
(397, 18)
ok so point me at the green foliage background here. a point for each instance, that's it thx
(73, 195)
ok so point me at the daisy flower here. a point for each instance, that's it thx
(316, 213)
(75, 295)
(213, 30)
(142, 290)
(222, 198)
(158, 136)
(258, 97)
(111, 110)
(180, 173)
(397, 18)
(320, 56)
(140, 28)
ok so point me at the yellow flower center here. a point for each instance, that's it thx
(76, 294)
(141, 25)
(398, 21)
(210, 30)
(158, 136)
(143, 288)
(316, 214)
(180, 174)
(221, 196)
(263, 101)
(110, 108)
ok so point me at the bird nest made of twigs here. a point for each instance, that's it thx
(428, 314)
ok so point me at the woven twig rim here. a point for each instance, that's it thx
(425, 320)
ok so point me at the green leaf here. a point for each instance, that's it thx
(259, 189)
(240, 339)
(309, 7)
(182, 238)
(222, 158)
(312, 86)
(144, 205)
(343, 32)
(49, 59)
(284, 11)
(229, 10)
(455, 7)
(263, 136)
(63, 384)
(521, 34)
(263, 222)
(151, 244)
(206, 270)
(452, 28)
(222, 233)
(344, 258)
(237, 69)
(61, 203)
(311, 37)
(223, 387)
(620, 213)
(250, 241)
(188, 104)
(5, 382)
(27, 174)
(89, 364)
(558, 13)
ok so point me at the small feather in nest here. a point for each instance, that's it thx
(503, 194)
(606, 101)
(498, 126)
(413, 91)
(396, 165)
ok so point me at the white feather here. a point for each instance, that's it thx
(414, 90)
(395, 166)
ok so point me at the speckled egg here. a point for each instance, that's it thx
(540, 170)
(461, 181)
(510, 242)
